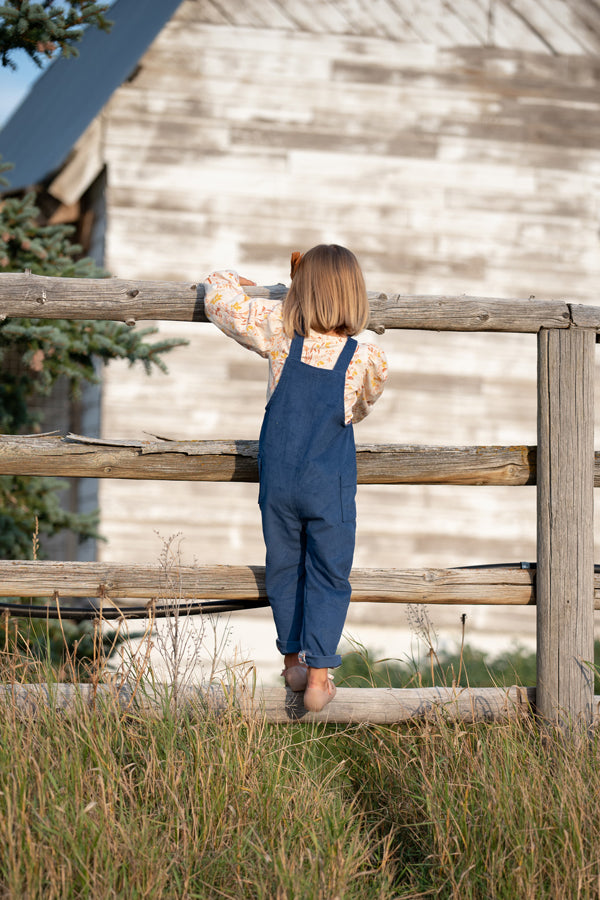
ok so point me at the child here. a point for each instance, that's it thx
(320, 382)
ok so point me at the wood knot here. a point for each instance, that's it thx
(133, 292)
(130, 322)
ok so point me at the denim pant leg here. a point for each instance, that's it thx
(285, 541)
(329, 553)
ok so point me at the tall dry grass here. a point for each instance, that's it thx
(185, 802)
(486, 811)
(99, 804)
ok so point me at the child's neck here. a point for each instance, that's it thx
(333, 333)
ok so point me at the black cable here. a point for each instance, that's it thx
(80, 613)
(519, 565)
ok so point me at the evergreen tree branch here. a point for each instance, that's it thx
(40, 29)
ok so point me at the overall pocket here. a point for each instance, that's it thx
(348, 498)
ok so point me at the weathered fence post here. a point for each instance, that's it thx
(565, 538)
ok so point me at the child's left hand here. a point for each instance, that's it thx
(246, 281)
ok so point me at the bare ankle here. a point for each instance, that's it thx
(291, 659)
(317, 677)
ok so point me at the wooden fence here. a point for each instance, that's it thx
(563, 466)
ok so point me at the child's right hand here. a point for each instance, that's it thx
(246, 281)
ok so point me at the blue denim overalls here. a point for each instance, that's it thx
(307, 497)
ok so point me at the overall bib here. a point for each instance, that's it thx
(307, 497)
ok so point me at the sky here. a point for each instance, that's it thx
(15, 84)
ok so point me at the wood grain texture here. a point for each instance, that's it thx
(237, 461)
(554, 27)
(512, 585)
(23, 294)
(376, 706)
(163, 460)
(565, 579)
(469, 170)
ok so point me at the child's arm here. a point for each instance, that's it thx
(254, 322)
(367, 375)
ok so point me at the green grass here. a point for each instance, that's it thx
(102, 804)
(465, 667)
(110, 803)
(468, 666)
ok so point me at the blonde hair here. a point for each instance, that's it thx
(327, 293)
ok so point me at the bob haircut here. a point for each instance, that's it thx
(327, 294)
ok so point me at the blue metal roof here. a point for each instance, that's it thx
(69, 95)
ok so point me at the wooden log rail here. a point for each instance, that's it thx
(74, 455)
(236, 460)
(112, 581)
(40, 296)
(373, 706)
(510, 585)
(376, 706)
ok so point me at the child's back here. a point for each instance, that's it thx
(320, 382)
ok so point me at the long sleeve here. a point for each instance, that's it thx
(365, 380)
(257, 324)
(254, 323)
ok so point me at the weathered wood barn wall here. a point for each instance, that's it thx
(455, 147)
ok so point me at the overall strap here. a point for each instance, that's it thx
(296, 347)
(343, 360)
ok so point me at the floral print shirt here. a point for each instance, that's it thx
(258, 325)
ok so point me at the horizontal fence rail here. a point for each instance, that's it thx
(23, 294)
(26, 578)
(236, 460)
(506, 585)
(376, 706)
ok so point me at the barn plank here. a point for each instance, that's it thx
(517, 24)
(510, 29)
(546, 20)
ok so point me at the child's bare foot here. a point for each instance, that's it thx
(320, 690)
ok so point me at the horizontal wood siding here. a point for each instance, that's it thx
(448, 169)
